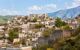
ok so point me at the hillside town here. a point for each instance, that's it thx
(35, 30)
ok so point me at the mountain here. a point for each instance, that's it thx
(67, 13)
(4, 19)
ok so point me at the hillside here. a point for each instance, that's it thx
(4, 19)
(67, 13)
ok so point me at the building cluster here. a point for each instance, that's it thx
(30, 28)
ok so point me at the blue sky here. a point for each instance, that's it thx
(24, 7)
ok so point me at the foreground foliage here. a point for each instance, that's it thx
(70, 43)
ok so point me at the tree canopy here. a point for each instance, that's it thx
(59, 22)
(13, 33)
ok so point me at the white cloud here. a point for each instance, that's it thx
(75, 3)
(51, 6)
(9, 12)
(34, 8)
(41, 9)
(31, 10)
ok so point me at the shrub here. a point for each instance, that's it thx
(39, 25)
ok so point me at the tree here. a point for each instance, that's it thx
(34, 20)
(47, 32)
(39, 25)
(50, 49)
(67, 27)
(59, 22)
(13, 33)
(43, 47)
(77, 31)
(73, 43)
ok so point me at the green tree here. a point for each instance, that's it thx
(34, 20)
(59, 22)
(39, 25)
(47, 32)
(73, 43)
(13, 33)
(76, 31)
(67, 27)
(43, 47)
(50, 49)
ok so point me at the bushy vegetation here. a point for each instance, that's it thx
(48, 32)
(70, 43)
(39, 25)
(4, 19)
(44, 47)
(67, 27)
(13, 33)
(59, 22)
(34, 20)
